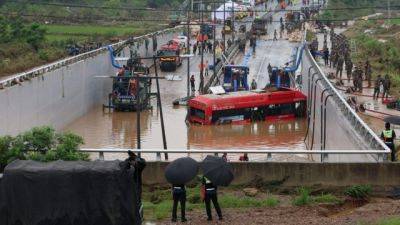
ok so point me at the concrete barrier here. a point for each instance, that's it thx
(327, 175)
(60, 94)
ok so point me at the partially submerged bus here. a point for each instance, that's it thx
(246, 106)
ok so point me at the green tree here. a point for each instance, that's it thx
(35, 35)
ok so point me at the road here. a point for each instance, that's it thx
(118, 129)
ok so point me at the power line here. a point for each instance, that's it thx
(122, 19)
(127, 8)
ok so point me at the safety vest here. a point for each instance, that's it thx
(387, 134)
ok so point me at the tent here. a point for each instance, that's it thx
(69, 193)
(219, 12)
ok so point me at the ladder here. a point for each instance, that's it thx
(353, 46)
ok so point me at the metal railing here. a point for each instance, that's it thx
(359, 125)
(232, 51)
(13, 80)
(102, 151)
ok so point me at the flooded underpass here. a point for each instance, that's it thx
(104, 129)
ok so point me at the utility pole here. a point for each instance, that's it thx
(214, 34)
(138, 108)
(188, 59)
(233, 23)
(223, 30)
(202, 51)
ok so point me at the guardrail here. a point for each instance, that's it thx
(359, 125)
(215, 78)
(70, 60)
(102, 151)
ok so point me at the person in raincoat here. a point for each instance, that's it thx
(210, 194)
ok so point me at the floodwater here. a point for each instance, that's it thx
(102, 129)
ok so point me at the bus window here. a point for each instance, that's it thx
(197, 113)
(280, 109)
(231, 114)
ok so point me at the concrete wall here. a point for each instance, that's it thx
(60, 96)
(344, 130)
(300, 174)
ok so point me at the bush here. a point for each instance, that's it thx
(326, 198)
(358, 191)
(271, 202)
(41, 144)
(303, 197)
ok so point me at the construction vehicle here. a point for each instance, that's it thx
(235, 78)
(206, 29)
(125, 88)
(293, 21)
(228, 27)
(169, 56)
(259, 26)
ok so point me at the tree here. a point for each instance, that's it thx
(35, 35)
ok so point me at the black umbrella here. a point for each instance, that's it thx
(181, 170)
(392, 119)
(217, 170)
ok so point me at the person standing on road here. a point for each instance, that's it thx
(275, 34)
(194, 48)
(368, 72)
(211, 195)
(192, 80)
(377, 87)
(253, 84)
(206, 68)
(386, 86)
(388, 135)
(339, 68)
(178, 195)
(326, 55)
(349, 69)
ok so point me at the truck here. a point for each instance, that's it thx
(169, 56)
(259, 26)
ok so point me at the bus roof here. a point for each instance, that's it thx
(246, 99)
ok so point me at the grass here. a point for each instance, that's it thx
(386, 221)
(163, 208)
(326, 198)
(85, 32)
(303, 197)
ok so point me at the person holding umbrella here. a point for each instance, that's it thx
(216, 172)
(211, 195)
(178, 173)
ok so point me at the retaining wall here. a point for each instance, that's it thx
(344, 129)
(61, 92)
(300, 174)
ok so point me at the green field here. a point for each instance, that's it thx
(85, 32)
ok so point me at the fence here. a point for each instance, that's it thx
(200, 154)
(333, 124)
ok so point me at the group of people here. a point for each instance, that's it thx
(339, 59)
(206, 45)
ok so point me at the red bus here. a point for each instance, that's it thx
(247, 106)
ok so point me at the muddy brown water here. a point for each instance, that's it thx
(102, 129)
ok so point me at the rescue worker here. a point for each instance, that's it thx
(211, 195)
(192, 80)
(388, 135)
(368, 73)
(326, 55)
(178, 195)
(275, 34)
(349, 69)
(253, 84)
(386, 86)
(377, 89)
(356, 77)
(339, 68)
